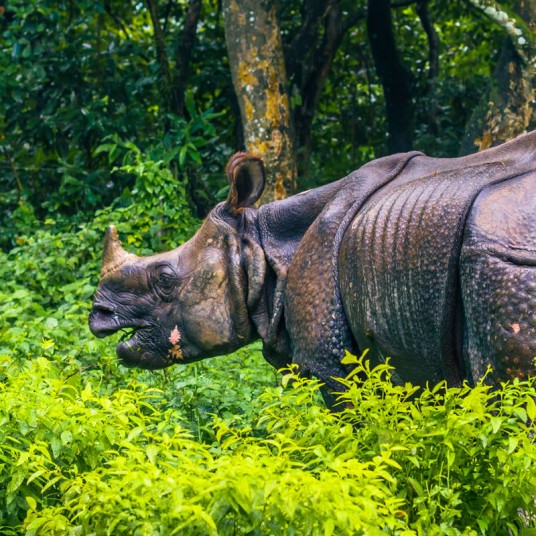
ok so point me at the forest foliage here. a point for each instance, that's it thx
(226, 446)
(76, 74)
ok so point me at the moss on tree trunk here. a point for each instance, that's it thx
(259, 78)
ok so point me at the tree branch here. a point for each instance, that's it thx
(115, 18)
(433, 38)
(167, 12)
(312, 13)
(161, 56)
(183, 54)
(353, 19)
(395, 77)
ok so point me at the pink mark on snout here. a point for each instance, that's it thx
(515, 327)
(175, 338)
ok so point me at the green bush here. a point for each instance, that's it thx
(448, 461)
(466, 456)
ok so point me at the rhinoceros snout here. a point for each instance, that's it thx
(102, 322)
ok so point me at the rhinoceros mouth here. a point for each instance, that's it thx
(134, 347)
(139, 348)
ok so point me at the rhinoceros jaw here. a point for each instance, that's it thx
(132, 352)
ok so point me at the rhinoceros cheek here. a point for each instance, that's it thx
(206, 324)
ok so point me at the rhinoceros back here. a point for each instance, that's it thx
(399, 266)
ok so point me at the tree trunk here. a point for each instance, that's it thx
(172, 85)
(508, 107)
(183, 55)
(259, 78)
(433, 110)
(396, 79)
(164, 73)
(309, 57)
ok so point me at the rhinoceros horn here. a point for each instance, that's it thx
(113, 255)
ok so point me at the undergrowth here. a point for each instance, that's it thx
(227, 447)
(80, 459)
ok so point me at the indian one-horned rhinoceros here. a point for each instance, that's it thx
(429, 261)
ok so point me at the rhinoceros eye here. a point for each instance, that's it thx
(165, 281)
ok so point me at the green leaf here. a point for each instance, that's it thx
(496, 423)
(66, 437)
(531, 408)
(51, 323)
(152, 452)
(17, 479)
(512, 444)
(32, 503)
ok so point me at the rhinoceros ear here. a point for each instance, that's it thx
(246, 177)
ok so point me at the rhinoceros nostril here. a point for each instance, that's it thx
(103, 308)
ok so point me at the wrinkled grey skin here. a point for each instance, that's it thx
(429, 261)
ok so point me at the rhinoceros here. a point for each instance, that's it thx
(428, 261)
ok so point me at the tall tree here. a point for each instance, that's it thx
(433, 65)
(172, 83)
(258, 70)
(164, 73)
(508, 108)
(309, 57)
(183, 54)
(395, 77)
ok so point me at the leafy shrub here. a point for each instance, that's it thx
(466, 456)
(48, 280)
(446, 461)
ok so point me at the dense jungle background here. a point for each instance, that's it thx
(126, 113)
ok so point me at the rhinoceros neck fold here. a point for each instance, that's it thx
(282, 224)
(276, 230)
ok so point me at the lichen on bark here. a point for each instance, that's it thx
(258, 70)
(517, 29)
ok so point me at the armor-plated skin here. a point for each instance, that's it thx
(429, 261)
(411, 283)
(498, 280)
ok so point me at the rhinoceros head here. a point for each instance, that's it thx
(191, 302)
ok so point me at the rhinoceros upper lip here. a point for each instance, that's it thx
(104, 324)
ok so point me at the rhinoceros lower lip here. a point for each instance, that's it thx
(133, 352)
(129, 349)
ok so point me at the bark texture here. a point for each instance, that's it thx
(508, 107)
(259, 78)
